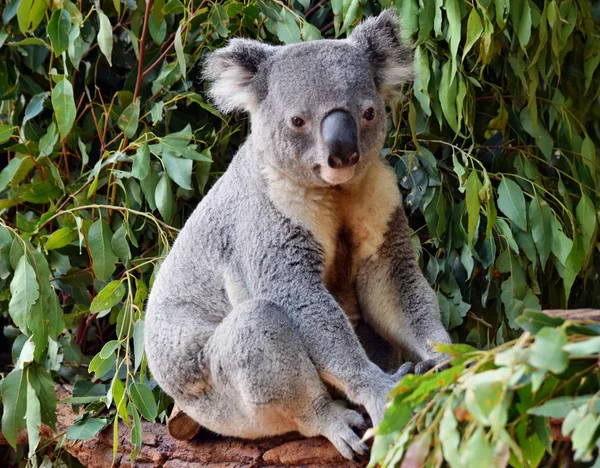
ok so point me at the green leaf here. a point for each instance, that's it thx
(588, 151)
(310, 33)
(450, 437)
(220, 19)
(24, 291)
(586, 218)
(453, 33)
(573, 264)
(141, 162)
(136, 433)
(542, 221)
(58, 30)
(61, 238)
(110, 296)
(512, 202)
(86, 428)
(14, 402)
(474, 30)
(164, 198)
(45, 318)
(561, 406)
(288, 31)
(423, 74)
(63, 104)
(34, 107)
(179, 170)
(6, 131)
(179, 53)
(447, 94)
(477, 452)
(104, 360)
(138, 342)
(525, 25)
(103, 258)
(351, 10)
(546, 351)
(584, 436)
(23, 15)
(117, 392)
(8, 173)
(129, 119)
(48, 141)
(177, 141)
(144, 400)
(105, 39)
(34, 420)
(158, 32)
(120, 246)
(473, 203)
(38, 11)
(42, 383)
(587, 347)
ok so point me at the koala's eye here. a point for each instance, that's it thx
(369, 114)
(297, 122)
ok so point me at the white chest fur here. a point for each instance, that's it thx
(350, 223)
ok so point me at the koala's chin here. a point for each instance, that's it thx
(337, 176)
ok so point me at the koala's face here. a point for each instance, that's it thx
(317, 108)
(322, 120)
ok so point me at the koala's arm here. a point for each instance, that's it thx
(397, 300)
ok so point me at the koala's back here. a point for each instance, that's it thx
(191, 293)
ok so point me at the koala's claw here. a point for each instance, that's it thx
(406, 368)
(342, 436)
(424, 366)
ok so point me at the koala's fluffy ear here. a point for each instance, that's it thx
(391, 60)
(234, 75)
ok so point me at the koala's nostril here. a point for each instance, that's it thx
(353, 159)
(335, 162)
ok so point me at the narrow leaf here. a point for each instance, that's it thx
(63, 104)
(103, 258)
(512, 202)
(105, 39)
(144, 400)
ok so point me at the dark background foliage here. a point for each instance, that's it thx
(107, 144)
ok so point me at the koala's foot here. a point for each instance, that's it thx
(335, 421)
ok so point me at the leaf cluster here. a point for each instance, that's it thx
(492, 408)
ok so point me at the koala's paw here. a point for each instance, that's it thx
(338, 429)
(428, 364)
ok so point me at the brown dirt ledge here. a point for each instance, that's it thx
(159, 449)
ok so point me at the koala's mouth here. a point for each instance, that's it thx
(335, 176)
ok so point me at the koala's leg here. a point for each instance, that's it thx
(261, 382)
(396, 299)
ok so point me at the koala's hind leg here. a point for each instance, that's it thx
(261, 382)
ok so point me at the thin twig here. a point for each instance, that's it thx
(172, 44)
(140, 75)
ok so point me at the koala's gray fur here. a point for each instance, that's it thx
(252, 311)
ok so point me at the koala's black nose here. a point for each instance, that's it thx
(339, 134)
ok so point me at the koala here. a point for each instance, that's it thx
(295, 275)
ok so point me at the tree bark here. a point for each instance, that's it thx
(159, 449)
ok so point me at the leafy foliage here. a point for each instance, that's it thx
(495, 407)
(109, 144)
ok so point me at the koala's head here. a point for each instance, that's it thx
(317, 108)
